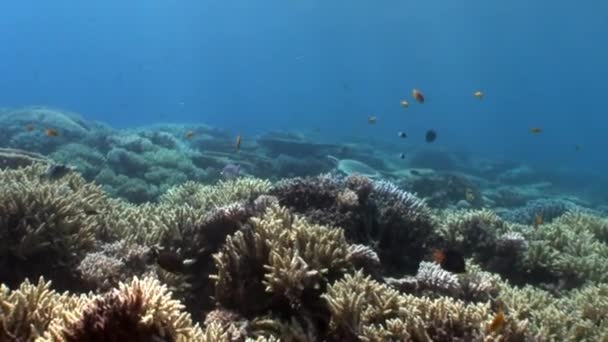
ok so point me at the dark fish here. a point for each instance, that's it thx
(29, 127)
(402, 156)
(237, 143)
(189, 135)
(430, 136)
(415, 172)
(56, 171)
(450, 260)
(231, 171)
(417, 95)
(90, 211)
(170, 261)
(535, 130)
(402, 135)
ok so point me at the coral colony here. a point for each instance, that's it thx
(143, 240)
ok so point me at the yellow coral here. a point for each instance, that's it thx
(153, 307)
(369, 311)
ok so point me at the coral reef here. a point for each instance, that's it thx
(376, 214)
(318, 258)
(45, 225)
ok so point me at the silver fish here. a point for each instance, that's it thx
(231, 171)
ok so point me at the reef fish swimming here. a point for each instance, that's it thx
(56, 171)
(231, 171)
(417, 95)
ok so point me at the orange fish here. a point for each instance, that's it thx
(417, 95)
(498, 322)
(50, 132)
(237, 144)
(438, 256)
(189, 135)
(535, 130)
(538, 220)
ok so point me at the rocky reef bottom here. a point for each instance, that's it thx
(325, 258)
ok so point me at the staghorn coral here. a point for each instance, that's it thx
(206, 197)
(432, 281)
(567, 251)
(404, 223)
(547, 207)
(281, 264)
(365, 310)
(25, 313)
(579, 315)
(485, 237)
(46, 225)
(377, 214)
(142, 310)
(114, 263)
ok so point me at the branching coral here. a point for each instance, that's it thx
(139, 311)
(281, 264)
(377, 214)
(569, 250)
(581, 315)
(114, 263)
(25, 313)
(365, 310)
(206, 197)
(45, 225)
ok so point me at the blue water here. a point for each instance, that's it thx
(251, 66)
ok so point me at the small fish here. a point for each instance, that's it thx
(538, 220)
(237, 143)
(430, 136)
(50, 132)
(189, 135)
(169, 261)
(478, 94)
(417, 95)
(404, 104)
(577, 147)
(90, 211)
(188, 262)
(29, 127)
(231, 171)
(498, 322)
(372, 120)
(450, 260)
(535, 130)
(56, 171)
(402, 135)
(415, 172)
(402, 155)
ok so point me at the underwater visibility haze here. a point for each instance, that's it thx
(303, 170)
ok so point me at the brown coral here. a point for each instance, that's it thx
(140, 311)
